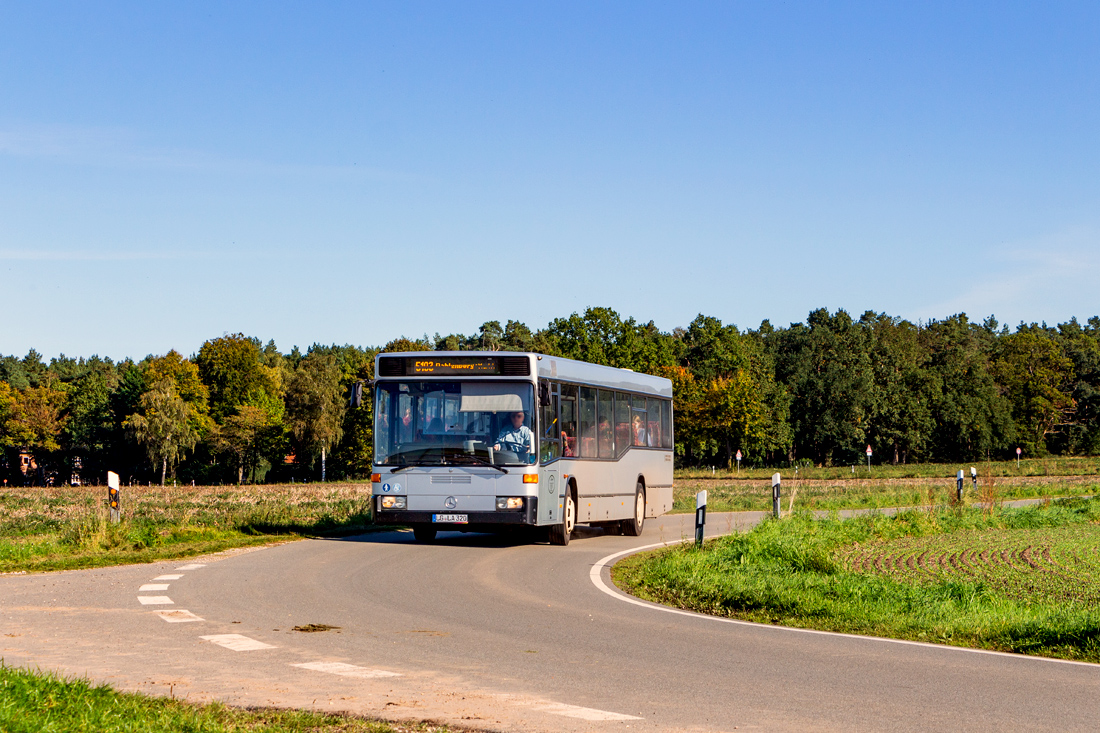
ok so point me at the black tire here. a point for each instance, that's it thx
(424, 534)
(633, 527)
(559, 533)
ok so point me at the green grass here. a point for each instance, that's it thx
(68, 527)
(822, 574)
(35, 702)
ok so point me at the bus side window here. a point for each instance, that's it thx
(586, 406)
(604, 423)
(569, 420)
(638, 421)
(549, 443)
(653, 424)
(666, 424)
(383, 440)
(622, 423)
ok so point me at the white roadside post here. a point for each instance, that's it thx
(959, 486)
(113, 497)
(974, 479)
(700, 516)
(776, 479)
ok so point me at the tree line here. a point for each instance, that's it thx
(818, 391)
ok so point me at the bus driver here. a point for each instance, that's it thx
(517, 438)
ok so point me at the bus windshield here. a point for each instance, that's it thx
(459, 423)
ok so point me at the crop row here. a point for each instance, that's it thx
(1052, 564)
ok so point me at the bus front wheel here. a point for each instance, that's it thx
(424, 534)
(559, 533)
(633, 527)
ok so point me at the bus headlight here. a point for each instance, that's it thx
(393, 502)
(509, 502)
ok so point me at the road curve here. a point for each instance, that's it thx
(483, 631)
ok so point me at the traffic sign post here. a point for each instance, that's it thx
(868, 459)
(738, 456)
(113, 499)
(700, 516)
(776, 479)
(1018, 452)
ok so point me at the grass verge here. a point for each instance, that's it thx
(67, 527)
(35, 702)
(1015, 580)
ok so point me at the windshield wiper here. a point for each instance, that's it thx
(406, 465)
(479, 459)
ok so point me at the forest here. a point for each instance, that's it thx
(817, 392)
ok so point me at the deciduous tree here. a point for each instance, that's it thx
(315, 404)
(232, 369)
(165, 425)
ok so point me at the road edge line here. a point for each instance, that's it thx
(595, 574)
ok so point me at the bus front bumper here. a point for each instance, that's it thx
(527, 516)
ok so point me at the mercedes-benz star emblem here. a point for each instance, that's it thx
(451, 502)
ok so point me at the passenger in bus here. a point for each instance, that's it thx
(568, 445)
(517, 438)
(639, 431)
(405, 427)
(606, 436)
(434, 433)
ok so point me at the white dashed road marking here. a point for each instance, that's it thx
(155, 600)
(236, 642)
(346, 670)
(168, 577)
(193, 566)
(177, 616)
(153, 586)
(575, 711)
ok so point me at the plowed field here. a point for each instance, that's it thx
(1051, 564)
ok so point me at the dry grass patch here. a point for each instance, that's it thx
(67, 527)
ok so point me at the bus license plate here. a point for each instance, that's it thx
(451, 518)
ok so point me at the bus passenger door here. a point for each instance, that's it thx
(550, 503)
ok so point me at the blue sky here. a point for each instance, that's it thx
(354, 172)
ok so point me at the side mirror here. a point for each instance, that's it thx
(356, 397)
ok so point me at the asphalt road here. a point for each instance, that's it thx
(491, 633)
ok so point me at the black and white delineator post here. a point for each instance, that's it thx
(113, 499)
(700, 516)
(776, 479)
(974, 479)
(959, 485)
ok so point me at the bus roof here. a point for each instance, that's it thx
(551, 367)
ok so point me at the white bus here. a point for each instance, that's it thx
(482, 441)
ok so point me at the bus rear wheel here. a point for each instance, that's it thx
(424, 534)
(559, 533)
(633, 527)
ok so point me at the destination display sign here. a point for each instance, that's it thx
(453, 365)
